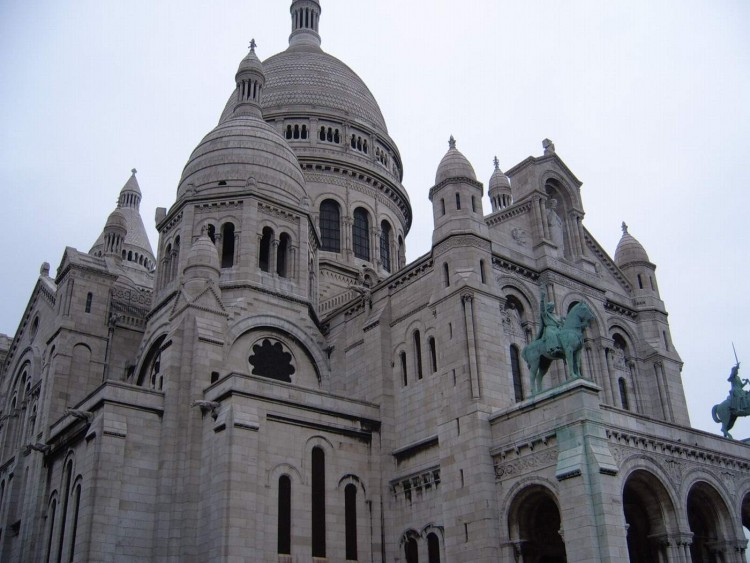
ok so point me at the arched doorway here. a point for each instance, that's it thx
(535, 526)
(648, 512)
(708, 517)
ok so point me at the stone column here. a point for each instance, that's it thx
(272, 255)
(468, 303)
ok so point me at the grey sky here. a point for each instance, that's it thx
(647, 103)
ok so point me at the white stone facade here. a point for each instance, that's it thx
(275, 383)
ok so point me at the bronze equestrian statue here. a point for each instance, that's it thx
(736, 404)
(558, 338)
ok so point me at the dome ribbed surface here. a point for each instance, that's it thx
(629, 250)
(240, 148)
(454, 165)
(306, 76)
(116, 220)
(499, 181)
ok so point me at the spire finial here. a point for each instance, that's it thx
(452, 142)
(253, 45)
(134, 171)
(624, 228)
(496, 162)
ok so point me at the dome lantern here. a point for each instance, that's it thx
(305, 22)
(250, 80)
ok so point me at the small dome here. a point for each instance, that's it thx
(241, 151)
(203, 254)
(116, 220)
(629, 250)
(454, 165)
(498, 180)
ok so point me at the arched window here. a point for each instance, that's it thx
(67, 479)
(418, 353)
(385, 245)
(227, 245)
(76, 510)
(318, 503)
(282, 255)
(51, 531)
(623, 393)
(515, 367)
(288, 131)
(264, 255)
(285, 516)
(361, 234)
(89, 299)
(350, 518)
(433, 354)
(330, 226)
(211, 232)
(411, 551)
(433, 548)
(402, 357)
(150, 374)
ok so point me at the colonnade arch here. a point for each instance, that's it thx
(534, 526)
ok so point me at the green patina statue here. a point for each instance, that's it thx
(558, 338)
(736, 404)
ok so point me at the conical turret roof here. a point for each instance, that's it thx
(454, 165)
(629, 250)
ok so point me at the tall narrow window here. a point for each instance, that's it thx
(623, 394)
(285, 516)
(433, 354)
(64, 515)
(473, 205)
(318, 503)
(361, 234)
(482, 275)
(51, 520)
(411, 551)
(458, 201)
(402, 356)
(515, 367)
(446, 275)
(282, 256)
(418, 353)
(330, 226)
(350, 517)
(385, 245)
(442, 206)
(264, 259)
(433, 548)
(89, 299)
(74, 531)
(227, 245)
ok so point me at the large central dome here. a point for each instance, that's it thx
(305, 77)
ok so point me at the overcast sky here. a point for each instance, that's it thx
(647, 102)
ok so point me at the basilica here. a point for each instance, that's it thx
(276, 383)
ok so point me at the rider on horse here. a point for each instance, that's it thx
(550, 325)
(738, 397)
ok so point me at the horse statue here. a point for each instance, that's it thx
(568, 340)
(735, 405)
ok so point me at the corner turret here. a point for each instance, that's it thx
(631, 258)
(456, 197)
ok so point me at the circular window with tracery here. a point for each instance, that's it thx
(271, 358)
